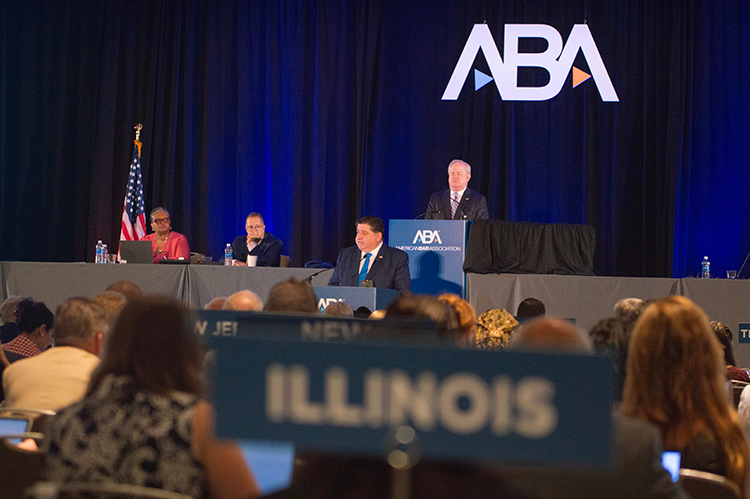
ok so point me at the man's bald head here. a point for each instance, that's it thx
(244, 300)
(552, 335)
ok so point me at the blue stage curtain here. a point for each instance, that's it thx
(317, 112)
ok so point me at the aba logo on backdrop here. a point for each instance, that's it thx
(427, 237)
(557, 60)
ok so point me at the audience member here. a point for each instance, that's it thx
(216, 304)
(636, 472)
(339, 309)
(531, 307)
(142, 421)
(547, 333)
(112, 302)
(166, 243)
(129, 289)
(427, 307)
(724, 335)
(465, 315)
(677, 380)
(244, 300)
(59, 376)
(494, 329)
(264, 246)
(292, 295)
(629, 309)
(9, 329)
(377, 315)
(35, 323)
(362, 312)
(371, 260)
(611, 337)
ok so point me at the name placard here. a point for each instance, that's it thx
(463, 404)
(217, 325)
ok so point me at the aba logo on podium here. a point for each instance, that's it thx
(556, 59)
(426, 236)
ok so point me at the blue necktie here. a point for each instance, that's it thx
(365, 267)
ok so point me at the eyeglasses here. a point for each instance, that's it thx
(161, 220)
(254, 227)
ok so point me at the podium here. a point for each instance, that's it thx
(436, 251)
(355, 297)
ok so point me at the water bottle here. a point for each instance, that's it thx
(104, 253)
(98, 252)
(705, 268)
(228, 255)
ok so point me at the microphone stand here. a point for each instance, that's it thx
(743, 266)
(309, 278)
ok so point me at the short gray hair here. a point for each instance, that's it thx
(457, 161)
(77, 322)
(8, 308)
(157, 210)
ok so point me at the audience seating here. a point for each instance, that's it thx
(703, 485)
(19, 468)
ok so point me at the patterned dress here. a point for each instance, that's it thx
(119, 434)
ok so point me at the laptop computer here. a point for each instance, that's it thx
(10, 425)
(136, 252)
(272, 463)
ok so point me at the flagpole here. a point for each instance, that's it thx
(137, 140)
(133, 227)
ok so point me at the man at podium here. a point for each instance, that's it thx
(458, 202)
(371, 261)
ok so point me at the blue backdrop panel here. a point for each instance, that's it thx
(436, 251)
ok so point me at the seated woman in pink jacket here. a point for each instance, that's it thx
(166, 243)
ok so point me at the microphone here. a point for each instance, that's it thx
(464, 209)
(309, 278)
(433, 212)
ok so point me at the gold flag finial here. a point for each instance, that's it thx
(137, 140)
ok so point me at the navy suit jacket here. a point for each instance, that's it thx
(472, 207)
(389, 270)
(268, 250)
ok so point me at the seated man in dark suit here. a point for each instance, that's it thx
(458, 202)
(258, 243)
(371, 260)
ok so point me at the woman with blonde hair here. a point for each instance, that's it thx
(465, 314)
(676, 379)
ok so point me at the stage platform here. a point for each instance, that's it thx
(586, 299)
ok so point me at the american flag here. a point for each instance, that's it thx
(133, 211)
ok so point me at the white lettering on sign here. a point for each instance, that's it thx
(222, 328)
(329, 330)
(462, 403)
(324, 302)
(556, 59)
(427, 237)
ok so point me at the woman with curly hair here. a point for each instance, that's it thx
(676, 379)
